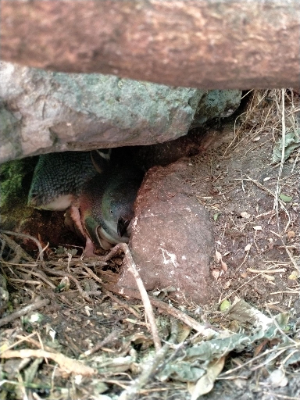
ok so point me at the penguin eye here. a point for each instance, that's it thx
(111, 211)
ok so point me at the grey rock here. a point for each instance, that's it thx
(9, 132)
(217, 103)
(172, 241)
(43, 112)
(59, 112)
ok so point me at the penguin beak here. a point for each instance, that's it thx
(122, 226)
(102, 239)
(95, 233)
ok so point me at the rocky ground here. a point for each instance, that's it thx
(82, 339)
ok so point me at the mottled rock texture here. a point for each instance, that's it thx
(43, 112)
(172, 241)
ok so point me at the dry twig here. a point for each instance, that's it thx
(31, 307)
(114, 335)
(20, 253)
(130, 264)
(203, 330)
(23, 235)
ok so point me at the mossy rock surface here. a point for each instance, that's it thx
(15, 179)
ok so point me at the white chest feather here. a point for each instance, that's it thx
(60, 203)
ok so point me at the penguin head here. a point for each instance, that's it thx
(118, 207)
(107, 206)
(110, 220)
(90, 206)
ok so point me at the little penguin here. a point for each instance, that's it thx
(58, 178)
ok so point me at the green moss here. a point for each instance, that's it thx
(11, 176)
(15, 178)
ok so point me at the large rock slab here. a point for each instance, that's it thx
(43, 112)
(172, 240)
(207, 44)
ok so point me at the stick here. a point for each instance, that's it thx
(23, 235)
(24, 311)
(174, 312)
(130, 264)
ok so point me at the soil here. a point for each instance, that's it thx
(253, 233)
(255, 205)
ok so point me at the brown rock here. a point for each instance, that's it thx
(172, 240)
(190, 43)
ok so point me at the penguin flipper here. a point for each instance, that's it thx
(100, 159)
